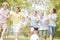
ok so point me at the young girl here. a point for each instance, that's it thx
(17, 18)
(34, 26)
(52, 22)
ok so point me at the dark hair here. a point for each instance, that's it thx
(54, 10)
(35, 11)
(18, 8)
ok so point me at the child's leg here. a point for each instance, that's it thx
(16, 31)
(0, 30)
(4, 27)
(52, 32)
(35, 30)
(41, 34)
(16, 35)
(44, 34)
(32, 30)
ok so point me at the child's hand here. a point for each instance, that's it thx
(8, 17)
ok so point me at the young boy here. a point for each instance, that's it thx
(43, 21)
(3, 18)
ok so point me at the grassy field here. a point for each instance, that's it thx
(22, 39)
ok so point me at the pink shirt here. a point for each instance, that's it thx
(2, 18)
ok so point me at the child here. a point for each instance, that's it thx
(52, 22)
(34, 26)
(17, 18)
(43, 26)
(3, 18)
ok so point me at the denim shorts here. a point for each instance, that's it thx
(52, 30)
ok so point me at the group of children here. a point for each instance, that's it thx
(41, 23)
(38, 22)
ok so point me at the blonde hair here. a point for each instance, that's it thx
(5, 3)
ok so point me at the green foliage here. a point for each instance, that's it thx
(56, 4)
(21, 3)
(9, 22)
(26, 30)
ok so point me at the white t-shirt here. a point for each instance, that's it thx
(34, 37)
(42, 23)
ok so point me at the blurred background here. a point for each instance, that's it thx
(27, 6)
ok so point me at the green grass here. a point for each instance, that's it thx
(23, 39)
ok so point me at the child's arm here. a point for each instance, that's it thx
(47, 21)
(55, 18)
(38, 19)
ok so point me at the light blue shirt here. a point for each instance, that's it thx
(51, 22)
(33, 21)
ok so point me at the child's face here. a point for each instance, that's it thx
(51, 11)
(41, 14)
(16, 9)
(34, 13)
(5, 6)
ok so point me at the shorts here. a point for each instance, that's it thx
(43, 33)
(3, 26)
(34, 28)
(17, 27)
(52, 30)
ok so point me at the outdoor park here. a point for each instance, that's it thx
(27, 6)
